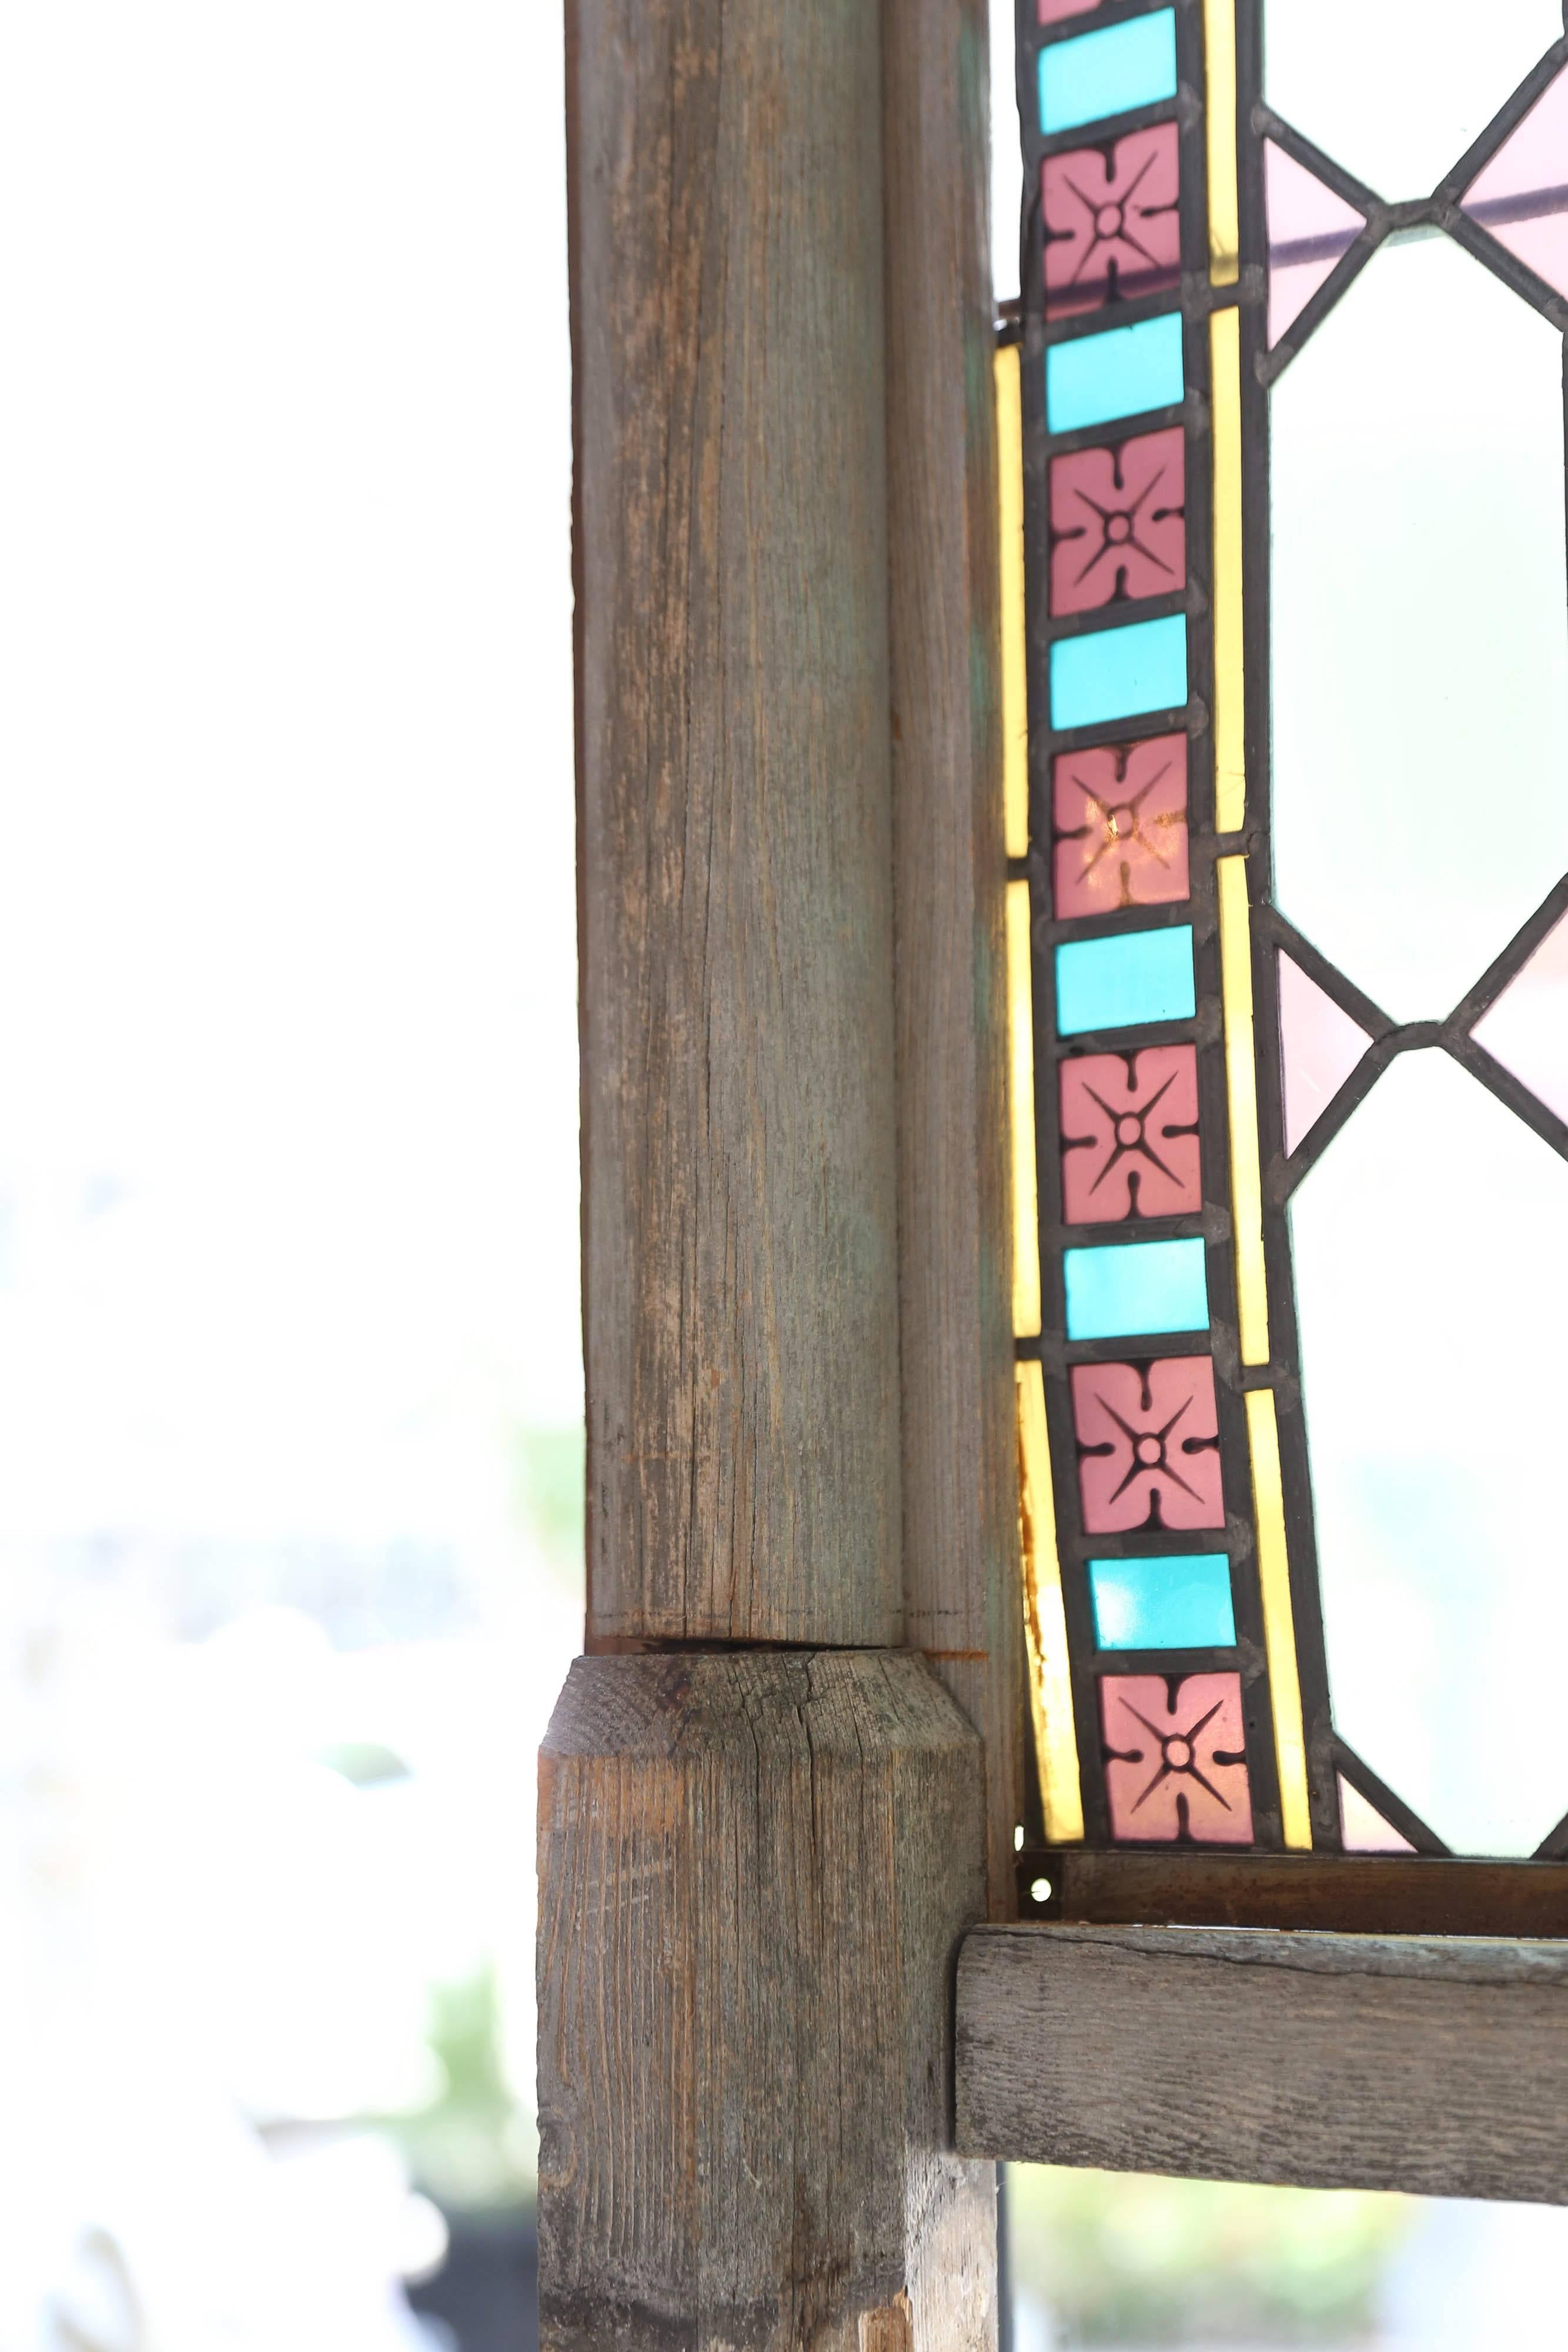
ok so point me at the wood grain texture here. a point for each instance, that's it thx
(755, 1872)
(1370, 1894)
(740, 1214)
(962, 1578)
(1439, 2068)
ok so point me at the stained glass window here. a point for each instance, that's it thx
(1288, 829)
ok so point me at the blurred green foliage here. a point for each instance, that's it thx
(472, 2150)
(1130, 2260)
(551, 1466)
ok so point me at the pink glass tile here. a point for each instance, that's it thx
(1363, 1827)
(1051, 12)
(1149, 1444)
(1309, 230)
(1527, 1029)
(1521, 196)
(1111, 230)
(1118, 527)
(1129, 1135)
(1319, 1047)
(1121, 825)
(1175, 1759)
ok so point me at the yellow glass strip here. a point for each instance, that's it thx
(1020, 1037)
(1279, 1617)
(1230, 674)
(1219, 66)
(1045, 1619)
(1241, 1087)
(1014, 676)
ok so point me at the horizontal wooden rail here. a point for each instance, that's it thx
(1359, 1895)
(1439, 2068)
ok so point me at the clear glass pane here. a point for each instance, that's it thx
(1418, 564)
(1396, 90)
(1426, 1282)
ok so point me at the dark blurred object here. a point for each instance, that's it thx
(486, 2291)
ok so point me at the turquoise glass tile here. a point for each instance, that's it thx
(1117, 673)
(1120, 373)
(1114, 1294)
(1108, 72)
(1180, 1602)
(1117, 982)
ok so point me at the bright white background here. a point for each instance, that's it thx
(288, 1130)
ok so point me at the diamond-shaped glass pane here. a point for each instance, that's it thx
(1320, 1046)
(1396, 90)
(1310, 230)
(1527, 1028)
(1420, 687)
(1522, 197)
(1432, 1384)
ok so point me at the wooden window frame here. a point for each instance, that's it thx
(788, 2012)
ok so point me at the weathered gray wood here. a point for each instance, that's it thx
(1439, 2068)
(755, 1871)
(962, 1583)
(740, 1214)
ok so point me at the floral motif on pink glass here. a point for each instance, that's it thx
(1175, 1759)
(1120, 811)
(1129, 1135)
(1112, 233)
(1117, 528)
(1148, 1446)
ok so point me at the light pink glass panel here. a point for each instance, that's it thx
(1112, 231)
(1319, 1047)
(1117, 528)
(1129, 1135)
(1527, 1029)
(1310, 229)
(1363, 1827)
(1522, 196)
(1121, 825)
(1148, 1446)
(1051, 12)
(1175, 1759)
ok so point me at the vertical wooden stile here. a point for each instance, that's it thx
(962, 1573)
(762, 1819)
